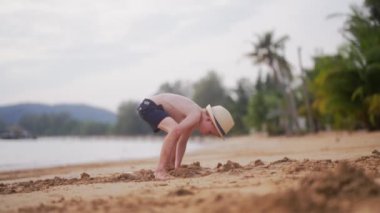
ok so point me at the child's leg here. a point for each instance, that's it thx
(169, 146)
(172, 158)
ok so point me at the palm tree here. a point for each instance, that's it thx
(267, 51)
(346, 85)
(270, 52)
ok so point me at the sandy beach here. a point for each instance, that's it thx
(325, 172)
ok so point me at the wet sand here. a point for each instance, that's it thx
(327, 172)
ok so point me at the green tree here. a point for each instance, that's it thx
(264, 111)
(239, 105)
(49, 124)
(374, 9)
(346, 86)
(94, 128)
(363, 33)
(210, 90)
(305, 108)
(129, 122)
(269, 51)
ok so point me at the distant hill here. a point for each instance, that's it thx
(12, 114)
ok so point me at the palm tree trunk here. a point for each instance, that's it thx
(282, 87)
(293, 111)
(310, 119)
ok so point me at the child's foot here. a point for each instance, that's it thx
(162, 175)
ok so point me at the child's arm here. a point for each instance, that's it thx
(189, 122)
(181, 148)
(185, 128)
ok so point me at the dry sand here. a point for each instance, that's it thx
(327, 172)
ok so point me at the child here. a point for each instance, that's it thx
(179, 116)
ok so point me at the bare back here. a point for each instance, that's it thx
(178, 107)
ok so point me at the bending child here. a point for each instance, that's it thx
(179, 116)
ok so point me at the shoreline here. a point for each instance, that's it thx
(100, 151)
(228, 145)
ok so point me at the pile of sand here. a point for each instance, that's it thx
(340, 189)
(330, 191)
(190, 171)
(38, 185)
(228, 166)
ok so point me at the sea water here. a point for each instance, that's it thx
(62, 151)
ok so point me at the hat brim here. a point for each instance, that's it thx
(211, 114)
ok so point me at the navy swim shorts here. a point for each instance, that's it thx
(152, 113)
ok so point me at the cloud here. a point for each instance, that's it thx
(104, 52)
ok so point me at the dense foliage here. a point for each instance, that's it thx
(61, 124)
(346, 86)
(341, 91)
(128, 122)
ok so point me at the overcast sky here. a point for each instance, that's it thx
(102, 52)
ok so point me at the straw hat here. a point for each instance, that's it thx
(221, 119)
